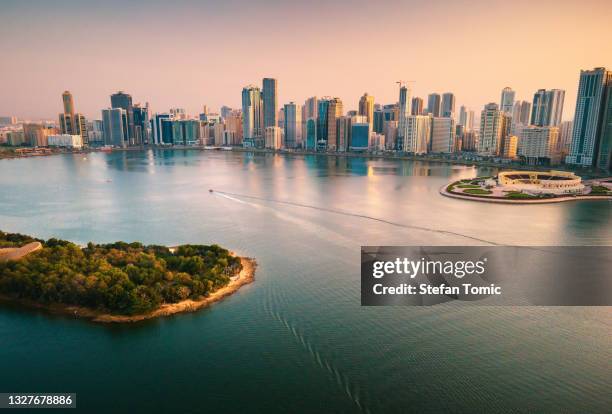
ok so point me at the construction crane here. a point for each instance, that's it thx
(403, 83)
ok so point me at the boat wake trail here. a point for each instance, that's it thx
(350, 214)
(341, 380)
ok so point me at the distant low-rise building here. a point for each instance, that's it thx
(66, 141)
(8, 120)
(15, 138)
(36, 135)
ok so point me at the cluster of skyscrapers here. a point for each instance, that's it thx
(531, 132)
(508, 131)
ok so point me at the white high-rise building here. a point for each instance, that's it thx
(417, 134)
(274, 138)
(443, 135)
(538, 144)
(493, 129)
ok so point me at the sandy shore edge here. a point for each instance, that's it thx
(246, 276)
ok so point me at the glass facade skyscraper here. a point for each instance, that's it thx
(417, 106)
(270, 102)
(141, 122)
(404, 113)
(589, 123)
(124, 101)
(115, 127)
(448, 105)
(604, 158)
(322, 124)
(547, 107)
(360, 136)
(311, 134)
(434, 103)
(293, 125)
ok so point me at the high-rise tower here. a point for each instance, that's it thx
(252, 117)
(270, 102)
(403, 114)
(507, 100)
(448, 105)
(433, 104)
(124, 101)
(547, 107)
(590, 123)
(68, 123)
(293, 125)
(366, 108)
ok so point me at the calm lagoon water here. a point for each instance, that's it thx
(297, 340)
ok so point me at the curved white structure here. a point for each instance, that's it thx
(538, 182)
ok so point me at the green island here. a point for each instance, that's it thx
(117, 282)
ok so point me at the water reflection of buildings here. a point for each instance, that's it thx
(586, 218)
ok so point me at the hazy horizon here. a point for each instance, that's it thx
(188, 54)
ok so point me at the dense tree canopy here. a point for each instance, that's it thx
(122, 278)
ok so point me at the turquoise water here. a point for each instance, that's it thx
(297, 339)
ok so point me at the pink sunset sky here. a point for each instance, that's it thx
(189, 53)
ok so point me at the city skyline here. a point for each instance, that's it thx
(203, 64)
